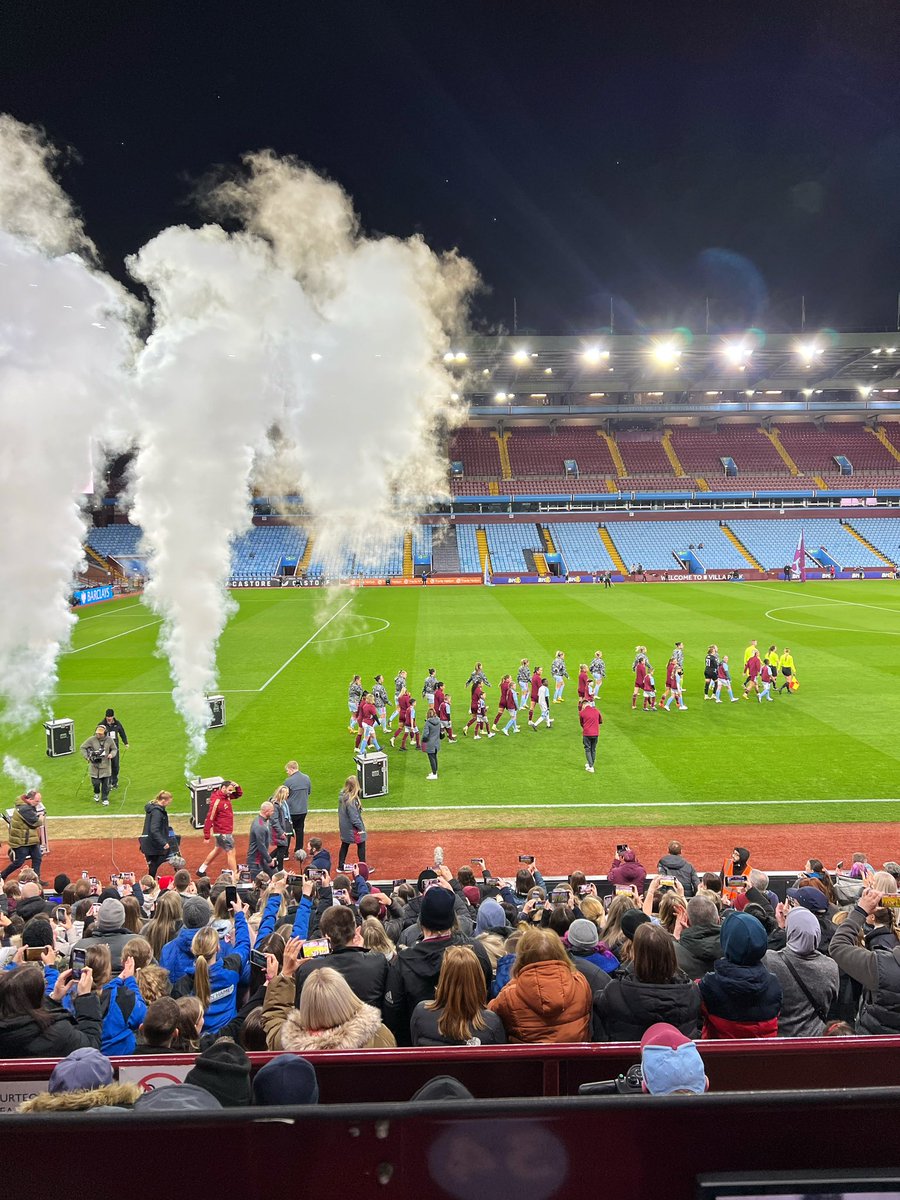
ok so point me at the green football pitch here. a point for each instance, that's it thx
(830, 752)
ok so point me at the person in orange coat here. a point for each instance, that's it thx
(547, 998)
(737, 864)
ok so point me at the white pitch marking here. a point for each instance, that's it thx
(832, 600)
(288, 662)
(824, 628)
(125, 633)
(113, 608)
(367, 633)
(246, 812)
(224, 691)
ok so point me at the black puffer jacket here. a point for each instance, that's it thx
(23, 1037)
(627, 1007)
(413, 976)
(697, 949)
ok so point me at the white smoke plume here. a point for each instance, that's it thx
(19, 773)
(364, 413)
(206, 400)
(298, 325)
(64, 344)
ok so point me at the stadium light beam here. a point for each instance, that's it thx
(666, 354)
(593, 355)
(737, 353)
(521, 357)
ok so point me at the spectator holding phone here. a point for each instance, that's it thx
(626, 869)
(121, 1004)
(214, 980)
(108, 929)
(366, 973)
(328, 1016)
(350, 822)
(33, 1028)
(877, 970)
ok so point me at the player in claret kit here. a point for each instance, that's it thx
(584, 686)
(399, 688)
(673, 685)
(752, 668)
(767, 678)
(535, 692)
(366, 716)
(443, 711)
(506, 686)
(649, 686)
(407, 719)
(354, 695)
(544, 705)
(481, 718)
(477, 697)
(512, 712)
(640, 666)
(723, 680)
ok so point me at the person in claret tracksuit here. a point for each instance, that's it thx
(366, 717)
(766, 679)
(220, 824)
(752, 669)
(506, 684)
(477, 696)
(444, 712)
(640, 666)
(512, 711)
(407, 720)
(535, 692)
(584, 687)
(741, 997)
(591, 720)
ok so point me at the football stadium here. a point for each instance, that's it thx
(299, 522)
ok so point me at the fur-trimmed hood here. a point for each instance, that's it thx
(363, 1029)
(114, 1095)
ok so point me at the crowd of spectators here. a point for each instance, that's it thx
(297, 963)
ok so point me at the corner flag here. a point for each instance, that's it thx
(799, 563)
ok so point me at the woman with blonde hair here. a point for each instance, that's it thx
(212, 980)
(612, 928)
(350, 821)
(374, 936)
(165, 924)
(328, 1017)
(281, 825)
(134, 918)
(152, 980)
(121, 1003)
(547, 998)
(457, 1016)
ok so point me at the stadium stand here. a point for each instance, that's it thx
(467, 545)
(643, 454)
(422, 541)
(654, 544)
(537, 452)
(478, 452)
(774, 542)
(700, 451)
(881, 532)
(445, 551)
(580, 546)
(510, 545)
(259, 552)
(813, 447)
(115, 540)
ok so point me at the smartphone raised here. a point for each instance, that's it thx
(294, 880)
(430, 883)
(258, 959)
(316, 873)
(231, 894)
(477, 862)
(584, 889)
(665, 881)
(315, 947)
(526, 858)
(621, 847)
(559, 896)
(736, 881)
(77, 960)
(59, 913)
(33, 953)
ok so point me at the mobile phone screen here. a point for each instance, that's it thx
(231, 895)
(258, 959)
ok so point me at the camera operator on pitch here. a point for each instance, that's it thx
(99, 751)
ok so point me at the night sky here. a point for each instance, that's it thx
(656, 153)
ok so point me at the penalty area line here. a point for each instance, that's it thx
(125, 633)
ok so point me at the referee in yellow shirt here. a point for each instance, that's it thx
(786, 663)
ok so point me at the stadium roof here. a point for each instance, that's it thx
(526, 370)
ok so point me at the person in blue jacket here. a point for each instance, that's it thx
(214, 980)
(122, 1006)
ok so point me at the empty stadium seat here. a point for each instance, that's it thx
(508, 542)
(580, 546)
(773, 543)
(813, 447)
(467, 546)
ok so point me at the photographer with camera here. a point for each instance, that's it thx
(98, 751)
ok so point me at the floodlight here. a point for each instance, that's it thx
(593, 354)
(736, 353)
(666, 353)
(865, 392)
(461, 356)
(521, 356)
(316, 356)
(449, 356)
(808, 350)
(498, 396)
